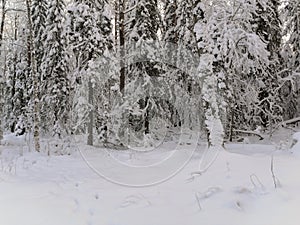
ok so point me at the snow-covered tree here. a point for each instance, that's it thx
(291, 57)
(33, 77)
(89, 30)
(16, 91)
(181, 47)
(89, 33)
(189, 13)
(231, 51)
(170, 21)
(19, 90)
(267, 24)
(291, 19)
(55, 88)
(142, 32)
(39, 16)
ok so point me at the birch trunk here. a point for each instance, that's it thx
(34, 74)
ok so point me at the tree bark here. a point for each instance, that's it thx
(1, 108)
(231, 125)
(2, 76)
(2, 20)
(34, 74)
(122, 45)
(91, 114)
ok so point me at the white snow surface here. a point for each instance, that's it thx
(296, 148)
(237, 188)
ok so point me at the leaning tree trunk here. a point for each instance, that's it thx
(34, 74)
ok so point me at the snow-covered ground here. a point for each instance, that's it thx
(76, 189)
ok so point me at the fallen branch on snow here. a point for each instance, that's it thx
(275, 180)
(291, 121)
(250, 132)
(285, 123)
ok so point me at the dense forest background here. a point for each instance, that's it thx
(66, 65)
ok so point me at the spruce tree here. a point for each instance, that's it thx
(181, 47)
(291, 15)
(290, 57)
(89, 34)
(18, 91)
(39, 10)
(39, 17)
(55, 69)
(267, 24)
(16, 97)
(170, 25)
(89, 29)
(142, 34)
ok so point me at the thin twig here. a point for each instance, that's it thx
(272, 171)
(198, 201)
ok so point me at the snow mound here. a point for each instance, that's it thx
(13, 140)
(297, 136)
(296, 147)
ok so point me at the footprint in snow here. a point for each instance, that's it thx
(135, 200)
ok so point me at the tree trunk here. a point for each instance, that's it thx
(1, 108)
(147, 119)
(122, 45)
(2, 20)
(91, 114)
(2, 76)
(116, 22)
(231, 125)
(34, 74)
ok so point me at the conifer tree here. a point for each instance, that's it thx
(170, 25)
(291, 46)
(89, 35)
(142, 34)
(32, 73)
(291, 15)
(16, 93)
(39, 17)
(290, 57)
(267, 24)
(89, 30)
(180, 18)
(55, 68)
(230, 51)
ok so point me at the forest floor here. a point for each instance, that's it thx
(88, 188)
